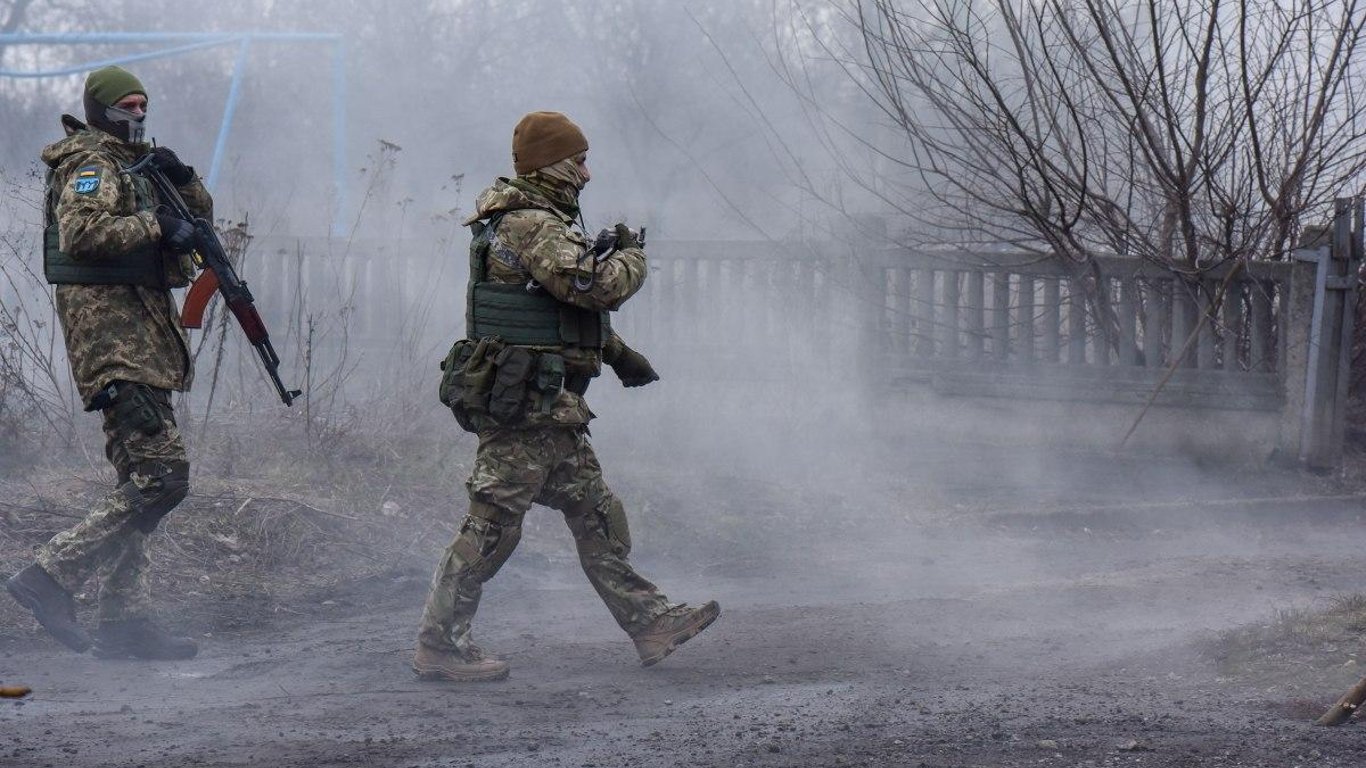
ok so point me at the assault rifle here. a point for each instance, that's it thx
(218, 276)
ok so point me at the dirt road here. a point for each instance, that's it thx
(1053, 631)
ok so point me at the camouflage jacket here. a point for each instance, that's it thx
(536, 240)
(114, 332)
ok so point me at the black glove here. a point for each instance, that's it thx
(631, 367)
(177, 235)
(606, 241)
(626, 238)
(176, 172)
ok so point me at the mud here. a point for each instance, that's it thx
(1059, 617)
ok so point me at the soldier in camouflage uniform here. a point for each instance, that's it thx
(113, 257)
(540, 296)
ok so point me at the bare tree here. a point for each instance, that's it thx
(1189, 133)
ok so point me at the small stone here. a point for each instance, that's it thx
(1046, 744)
(1133, 745)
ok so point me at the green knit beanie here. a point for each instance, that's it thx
(106, 86)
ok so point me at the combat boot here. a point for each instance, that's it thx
(141, 639)
(473, 666)
(673, 628)
(51, 605)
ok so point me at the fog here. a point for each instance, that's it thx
(875, 526)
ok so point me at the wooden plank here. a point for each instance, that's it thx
(1156, 316)
(1128, 321)
(1232, 328)
(668, 305)
(976, 312)
(951, 311)
(1263, 346)
(893, 311)
(1024, 323)
(1076, 322)
(1045, 264)
(809, 310)
(1208, 354)
(1000, 315)
(1203, 390)
(1051, 319)
(1185, 316)
(1101, 345)
(924, 313)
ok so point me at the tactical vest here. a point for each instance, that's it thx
(521, 314)
(143, 265)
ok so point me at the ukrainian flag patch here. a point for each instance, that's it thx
(87, 180)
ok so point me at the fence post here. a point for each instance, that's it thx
(863, 265)
(1330, 342)
(1294, 356)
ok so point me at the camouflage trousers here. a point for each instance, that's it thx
(514, 468)
(110, 544)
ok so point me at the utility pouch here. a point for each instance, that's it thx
(508, 399)
(550, 379)
(467, 377)
(135, 408)
(453, 372)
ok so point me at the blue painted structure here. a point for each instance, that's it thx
(186, 42)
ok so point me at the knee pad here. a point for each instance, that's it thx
(484, 546)
(155, 490)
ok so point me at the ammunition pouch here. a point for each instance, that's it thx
(492, 383)
(533, 319)
(507, 401)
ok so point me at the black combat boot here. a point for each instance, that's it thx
(141, 639)
(52, 606)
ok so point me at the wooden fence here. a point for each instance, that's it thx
(984, 325)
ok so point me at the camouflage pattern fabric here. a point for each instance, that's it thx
(115, 332)
(547, 458)
(537, 240)
(107, 545)
(513, 469)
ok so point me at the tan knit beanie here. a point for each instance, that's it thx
(545, 138)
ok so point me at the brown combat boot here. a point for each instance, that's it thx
(673, 628)
(435, 664)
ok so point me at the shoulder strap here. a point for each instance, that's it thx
(50, 199)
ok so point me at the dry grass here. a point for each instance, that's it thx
(1299, 650)
(272, 523)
